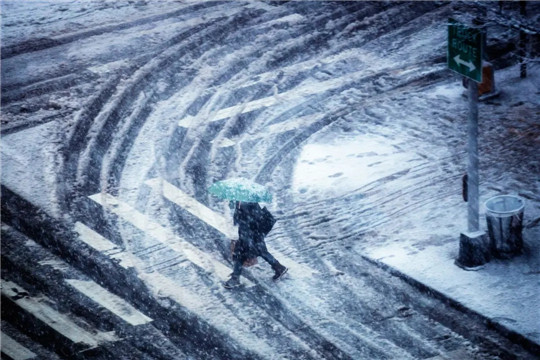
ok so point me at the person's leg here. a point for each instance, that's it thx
(237, 269)
(279, 270)
(269, 258)
(234, 281)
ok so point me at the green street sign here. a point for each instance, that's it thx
(465, 50)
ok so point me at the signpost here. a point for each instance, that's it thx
(465, 57)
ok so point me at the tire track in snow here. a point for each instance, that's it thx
(203, 290)
(324, 18)
(200, 156)
(108, 115)
(272, 315)
(38, 44)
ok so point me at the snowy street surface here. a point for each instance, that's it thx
(118, 115)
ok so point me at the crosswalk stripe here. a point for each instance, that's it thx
(94, 291)
(215, 312)
(293, 123)
(214, 219)
(306, 89)
(110, 301)
(161, 285)
(164, 235)
(61, 323)
(14, 350)
(225, 142)
(102, 244)
(209, 216)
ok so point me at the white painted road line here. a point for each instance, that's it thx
(292, 124)
(110, 301)
(160, 284)
(92, 290)
(209, 216)
(457, 354)
(305, 89)
(94, 239)
(216, 220)
(225, 142)
(61, 323)
(102, 244)
(213, 310)
(14, 350)
(164, 235)
(209, 308)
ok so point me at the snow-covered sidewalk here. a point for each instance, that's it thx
(504, 291)
(411, 223)
(507, 292)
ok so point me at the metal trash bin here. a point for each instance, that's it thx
(504, 216)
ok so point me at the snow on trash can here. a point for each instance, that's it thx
(504, 216)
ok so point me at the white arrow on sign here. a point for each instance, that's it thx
(468, 64)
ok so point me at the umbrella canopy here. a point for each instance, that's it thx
(240, 189)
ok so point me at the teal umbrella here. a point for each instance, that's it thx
(240, 189)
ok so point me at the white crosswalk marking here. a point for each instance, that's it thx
(94, 291)
(161, 285)
(209, 216)
(278, 128)
(306, 89)
(61, 323)
(225, 142)
(14, 350)
(215, 311)
(216, 220)
(111, 302)
(164, 235)
(102, 244)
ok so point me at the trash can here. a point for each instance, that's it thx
(504, 216)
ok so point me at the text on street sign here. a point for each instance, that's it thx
(465, 50)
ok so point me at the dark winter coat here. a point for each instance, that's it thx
(250, 240)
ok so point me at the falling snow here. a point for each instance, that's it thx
(117, 116)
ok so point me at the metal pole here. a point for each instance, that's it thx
(472, 169)
(522, 43)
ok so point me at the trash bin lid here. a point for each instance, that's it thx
(504, 205)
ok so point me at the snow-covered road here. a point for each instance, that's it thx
(118, 115)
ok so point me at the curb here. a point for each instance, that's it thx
(511, 335)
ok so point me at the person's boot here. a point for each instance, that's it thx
(279, 271)
(232, 283)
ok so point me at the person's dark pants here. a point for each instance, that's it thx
(237, 269)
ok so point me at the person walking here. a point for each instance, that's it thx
(250, 242)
